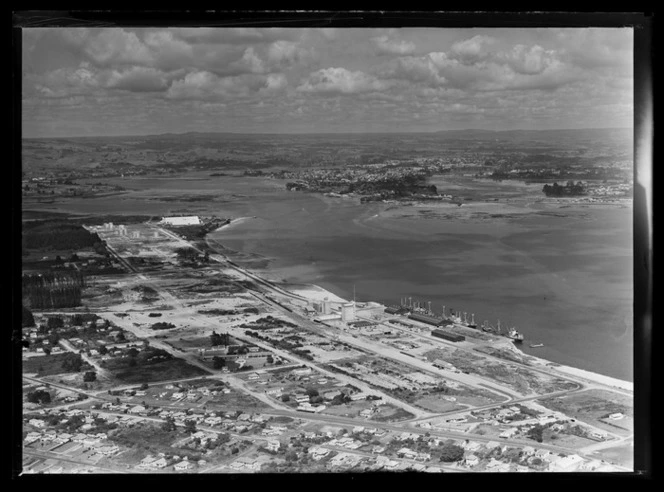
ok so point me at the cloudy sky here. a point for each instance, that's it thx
(122, 81)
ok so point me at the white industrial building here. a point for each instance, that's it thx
(348, 312)
(181, 221)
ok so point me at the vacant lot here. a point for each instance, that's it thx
(48, 365)
(436, 403)
(158, 371)
(390, 413)
(593, 406)
(148, 437)
(520, 379)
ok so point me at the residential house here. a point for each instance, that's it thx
(406, 453)
(183, 465)
(160, 463)
(566, 464)
(108, 450)
(471, 460)
(32, 437)
(273, 445)
(506, 434)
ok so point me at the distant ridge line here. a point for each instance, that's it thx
(466, 132)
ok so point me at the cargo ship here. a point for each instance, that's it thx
(423, 313)
(488, 328)
(515, 336)
(454, 317)
(512, 334)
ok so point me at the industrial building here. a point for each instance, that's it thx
(348, 312)
(181, 221)
(452, 337)
(362, 324)
(327, 317)
(425, 318)
(396, 310)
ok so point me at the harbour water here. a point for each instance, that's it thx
(561, 274)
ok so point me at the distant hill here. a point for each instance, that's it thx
(221, 151)
(577, 133)
(468, 134)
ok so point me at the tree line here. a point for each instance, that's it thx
(570, 189)
(53, 289)
(50, 298)
(58, 235)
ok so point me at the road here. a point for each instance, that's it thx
(228, 263)
(100, 370)
(276, 408)
(46, 455)
(471, 380)
(90, 394)
(238, 333)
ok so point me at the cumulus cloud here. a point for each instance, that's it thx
(529, 61)
(386, 46)
(249, 63)
(203, 85)
(338, 80)
(87, 80)
(166, 51)
(597, 48)
(275, 82)
(169, 50)
(112, 46)
(64, 82)
(271, 73)
(470, 67)
(473, 49)
(498, 74)
(414, 69)
(138, 79)
(284, 54)
(235, 35)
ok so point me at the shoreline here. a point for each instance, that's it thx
(231, 222)
(317, 293)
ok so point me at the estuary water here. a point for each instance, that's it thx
(560, 273)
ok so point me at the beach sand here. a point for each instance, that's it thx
(313, 292)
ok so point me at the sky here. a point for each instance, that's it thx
(126, 81)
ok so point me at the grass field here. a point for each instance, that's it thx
(159, 371)
(49, 365)
(389, 413)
